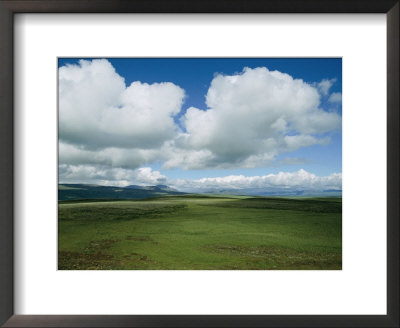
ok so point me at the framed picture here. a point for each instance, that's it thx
(166, 163)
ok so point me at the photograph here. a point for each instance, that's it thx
(199, 163)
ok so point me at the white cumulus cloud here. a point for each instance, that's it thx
(146, 176)
(300, 180)
(335, 97)
(104, 175)
(97, 110)
(251, 118)
(325, 85)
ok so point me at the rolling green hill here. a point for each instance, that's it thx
(190, 232)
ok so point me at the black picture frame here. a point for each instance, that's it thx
(10, 7)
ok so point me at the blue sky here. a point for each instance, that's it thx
(195, 77)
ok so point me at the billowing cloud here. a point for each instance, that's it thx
(335, 97)
(114, 157)
(325, 85)
(282, 181)
(103, 175)
(97, 110)
(251, 118)
(300, 180)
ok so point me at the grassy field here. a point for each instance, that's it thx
(201, 232)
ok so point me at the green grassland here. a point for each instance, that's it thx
(190, 232)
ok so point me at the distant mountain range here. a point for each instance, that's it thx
(86, 191)
(159, 188)
(272, 192)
